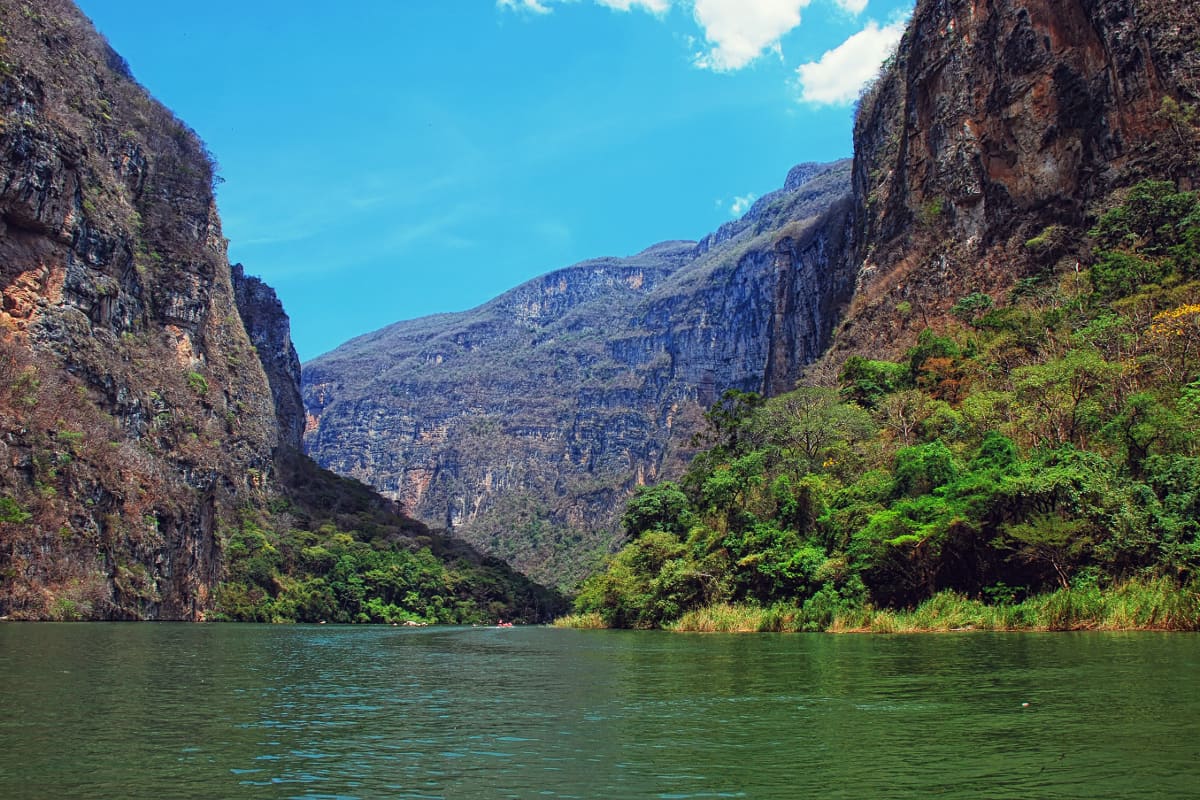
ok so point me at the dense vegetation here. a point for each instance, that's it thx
(1042, 456)
(329, 549)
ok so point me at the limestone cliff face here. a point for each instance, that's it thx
(523, 425)
(135, 417)
(270, 333)
(999, 122)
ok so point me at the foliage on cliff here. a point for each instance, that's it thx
(1048, 440)
(330, 549)
(1004, 123)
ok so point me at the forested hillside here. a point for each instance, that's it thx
(1048, 440)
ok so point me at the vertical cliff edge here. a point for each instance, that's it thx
(136, 417)
(993, 137)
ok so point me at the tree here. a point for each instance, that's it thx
(1175, 335)
(1154, 233)
(922, 468)
(728, 419)
(865, 381)
(1053, 540)
(663, 507)
(1067, 395)
(813, 424)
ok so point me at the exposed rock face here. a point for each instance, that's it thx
(270, 332)
(995, 121)
(523, 425)
(134, 416)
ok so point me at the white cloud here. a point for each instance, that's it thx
(843, 71)
(742, 204)
(736, 32)
(851, 6)
(544, 6)
(524, 5)
(653, 6)
(741, 30)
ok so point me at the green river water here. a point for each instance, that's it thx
(231, 711)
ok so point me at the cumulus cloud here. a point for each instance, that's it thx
(742, 30)
(841, 73)
(736, 32)
(742, 204)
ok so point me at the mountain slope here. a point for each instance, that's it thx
(523, 425)
(150, 415)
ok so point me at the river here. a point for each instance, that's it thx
(231, 711)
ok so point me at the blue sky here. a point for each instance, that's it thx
(389, 159)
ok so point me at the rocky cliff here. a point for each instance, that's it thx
(523, 425)
(150, 415)
(270, 333)
(135, 416)
(988, 143)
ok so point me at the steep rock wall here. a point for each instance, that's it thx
(270, 333)
(134, 416)
(996, 120)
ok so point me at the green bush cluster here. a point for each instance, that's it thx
(330, 575)
(328, 549)
(1047, 447)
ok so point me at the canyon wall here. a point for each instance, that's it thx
(994, 136)
(523, 425)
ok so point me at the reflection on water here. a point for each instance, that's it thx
(138, 710)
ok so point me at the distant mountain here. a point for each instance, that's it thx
(523, 425)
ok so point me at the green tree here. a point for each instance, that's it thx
(813, 425)
(662, 507)
(1067, 398)
(1054, 540)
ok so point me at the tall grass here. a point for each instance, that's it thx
(1136, 605)
(589, 620)
(721, 618)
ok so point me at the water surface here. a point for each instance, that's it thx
(230, 711)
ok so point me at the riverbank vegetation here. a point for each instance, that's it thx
(1034, 466)
(1137, 605)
